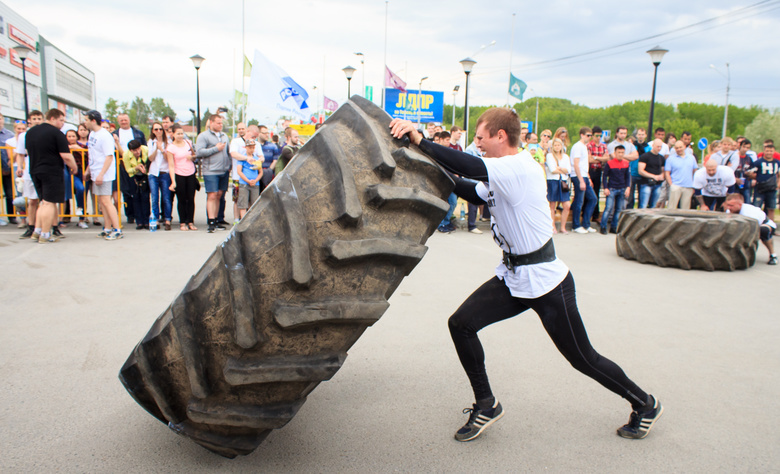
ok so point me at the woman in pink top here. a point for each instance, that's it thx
(183, 181)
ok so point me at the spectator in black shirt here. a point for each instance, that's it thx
(651, 173)
(49, 153)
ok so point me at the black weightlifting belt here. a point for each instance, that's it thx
(544, 254)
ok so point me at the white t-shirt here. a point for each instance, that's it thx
(714, 186)
(238, 144)
(549, 165)
(125, 136)
(664, 150)
(520, 221)
(159, 160)
(21, 148)
(579, 150)
(101, 146)
(756, 213)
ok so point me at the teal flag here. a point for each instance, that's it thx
(516, 87)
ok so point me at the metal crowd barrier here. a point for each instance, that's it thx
(78, 154)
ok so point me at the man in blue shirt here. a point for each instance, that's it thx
(678, 171)
(270, 151)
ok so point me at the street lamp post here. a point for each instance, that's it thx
(656, 54)
(363, 67)
(454, 93)
(349, 71)
(728, 88)
(468, 65)
(419, 95)
(23, 52)
(197, 60)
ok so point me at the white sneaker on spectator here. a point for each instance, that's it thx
(2, 222)
(592, 230)
(580, 230)
(475, 231)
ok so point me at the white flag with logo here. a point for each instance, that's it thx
(274, 92)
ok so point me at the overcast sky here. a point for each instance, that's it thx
(142, 48)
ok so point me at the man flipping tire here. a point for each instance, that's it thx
(530, 276)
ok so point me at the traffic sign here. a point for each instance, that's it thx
(702, 144)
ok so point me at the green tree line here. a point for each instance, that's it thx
(139, 111)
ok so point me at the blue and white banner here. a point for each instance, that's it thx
(272, 92)
(427, 106)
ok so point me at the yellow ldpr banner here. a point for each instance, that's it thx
(306, 130)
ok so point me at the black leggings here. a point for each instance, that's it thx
(492, 302)
(185, 197)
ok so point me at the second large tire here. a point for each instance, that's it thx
(274, 309)
(688, 239)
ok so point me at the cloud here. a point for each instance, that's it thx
(143, 49)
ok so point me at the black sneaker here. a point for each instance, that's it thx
(220, 226)
(444, 229)
(479, 420)
(211, 228)
(613, 231)
(222, 223)
(772, 260)
(603, 231)
(55, 231)
(641, 422)
(27, 233)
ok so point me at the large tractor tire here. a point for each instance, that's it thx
(688, 239)
(275, 308)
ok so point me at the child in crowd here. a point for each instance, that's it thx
(249, 176)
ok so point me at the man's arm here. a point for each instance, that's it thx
(70, 162)
(634, 155)
(467, 189)
(20, 164)
(106, 165)
(701, 202)
(578, 172)
(454, 161)
(202, 150)
(642, 172)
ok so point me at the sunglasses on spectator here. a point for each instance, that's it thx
(157, 129)
(20, 121)
(588, 134)
(544, 135)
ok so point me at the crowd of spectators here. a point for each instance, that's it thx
(150, 174)
(628, 171)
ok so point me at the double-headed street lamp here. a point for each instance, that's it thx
(656, 54)
(349, 71)
(197, 60)
(728, 87)
(363, 67)
(23, 52)
(468, 65)
(419, 96)
(454, 93)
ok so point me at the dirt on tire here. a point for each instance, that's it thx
(688, 239)
(275, 308)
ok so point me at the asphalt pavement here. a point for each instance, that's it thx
(705, 344)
